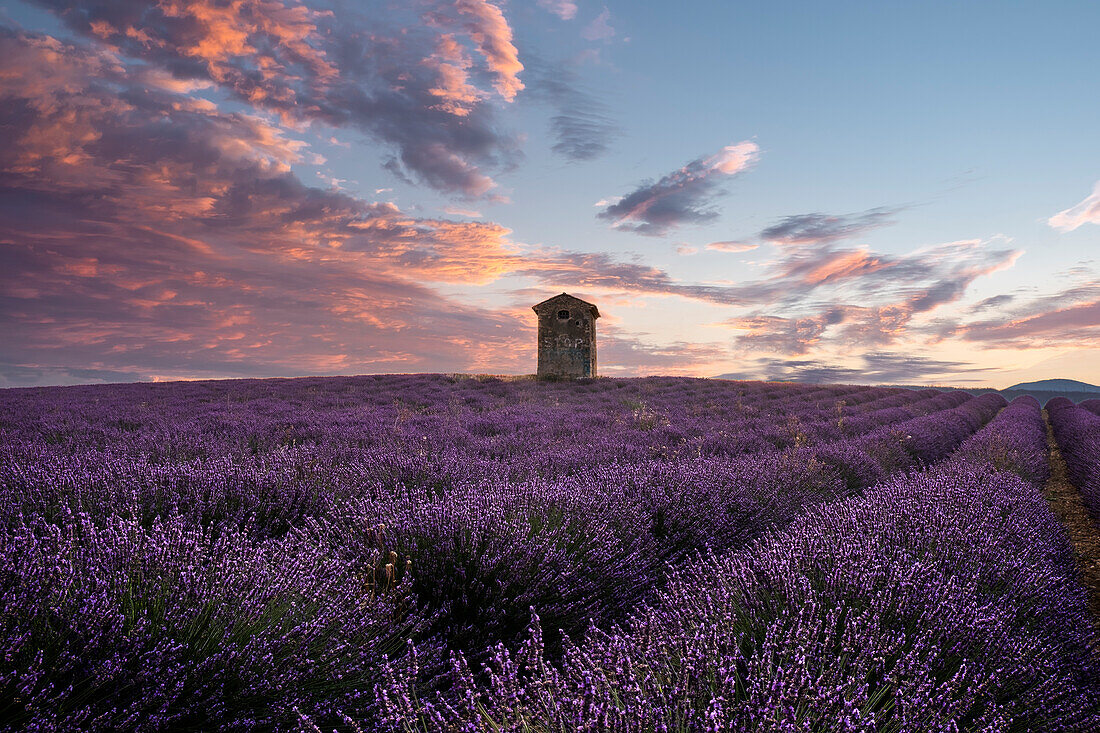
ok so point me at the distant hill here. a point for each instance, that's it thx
(1047, 389)
(1053, 385)
(1043, 390)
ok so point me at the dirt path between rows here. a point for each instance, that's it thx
(1066, 501)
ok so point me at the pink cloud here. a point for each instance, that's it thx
(451, 64)
(623, 354)
(683, 196)
(732, 159)
(863, 299)
(137, 216)
(1053, 324)
(600, 28)
(731, 246)
(564, 9)
(406, 80)
(776, 334)
(493, 36)
(845, 266)
(457, 211)
(1086, 212)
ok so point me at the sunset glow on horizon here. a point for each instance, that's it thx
(848, 193)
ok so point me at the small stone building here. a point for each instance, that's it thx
(567, 337)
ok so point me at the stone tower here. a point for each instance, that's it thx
(567, 337)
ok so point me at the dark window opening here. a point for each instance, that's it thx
(564, 315)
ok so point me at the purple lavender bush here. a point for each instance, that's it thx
(261, 554)
(585, 549)
(207, 555)
(1077, 432)
(944, 600)
(868, 459)
(1015, 440)
(582, 549)
(109, 625)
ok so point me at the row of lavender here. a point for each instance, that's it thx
(940, 600)
(229, 583)
(349, 438)
(588, 547)
(489, 417)
(1077, 430)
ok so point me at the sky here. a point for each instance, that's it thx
(844, 192)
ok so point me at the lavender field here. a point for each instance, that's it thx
(437, 553)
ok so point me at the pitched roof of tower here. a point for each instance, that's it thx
(565, 298)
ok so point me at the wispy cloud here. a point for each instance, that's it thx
(1086, 212)
(992, 302)
(582, 126)
(732, 246)
(923, 279)
(681, 197)
(564, 9)
(853, 299)
(456, 211)
(825, 228)
(792, 336)
(1067, 318)
(883, 367)
(624, 353)
(600, 28)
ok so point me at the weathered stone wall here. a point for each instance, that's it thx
(567, 346)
